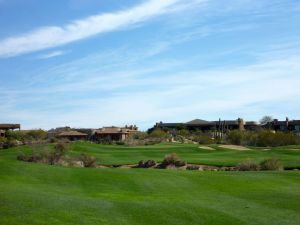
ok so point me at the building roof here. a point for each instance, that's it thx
(204, 123)
(10, 126)
(169, 124)
(284, 122)
(294, 122)
(227, 122)
(198, 122)
(112, 130)
(251, 123)
(72, 133)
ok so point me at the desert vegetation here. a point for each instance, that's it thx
(262, 138)
(15, 138)
(256, 138)
(266, 164)
(57, 155)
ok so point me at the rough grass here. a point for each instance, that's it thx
(39, 194)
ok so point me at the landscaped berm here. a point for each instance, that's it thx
(40, 193)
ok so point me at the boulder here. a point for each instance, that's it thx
(146, 164)
(193, 167)
(150, 163)
(78, 164)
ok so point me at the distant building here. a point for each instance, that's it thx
(114, 133)
(2, 133)
(203, 125)
(72, 135)
(55, 132)
(6, 127)
(284, 125)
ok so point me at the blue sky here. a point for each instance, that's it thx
(94, 63)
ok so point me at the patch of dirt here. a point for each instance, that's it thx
(235, 147)
(102, 166)
(126, 167)
(206, 148)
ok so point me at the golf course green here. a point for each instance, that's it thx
(40, 194)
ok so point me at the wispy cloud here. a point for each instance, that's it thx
(52, 54)
(198, 63)
(207, 93)
(53, 36)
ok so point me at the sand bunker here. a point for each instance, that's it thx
(206, 148)
(235, 147)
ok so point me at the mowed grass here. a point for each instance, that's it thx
(38, 194)
(117, 155)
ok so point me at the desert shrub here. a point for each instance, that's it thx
(34, 158)
(180, 139)
(152, 141)
(235, 137)
(30, 158)
(140, 135)
(271, 164)
(9, 144)
(158, 133)
(53, 156)
(184, 133)
(203, 139)
(172, 159)
(105, 142)
(32, 135)
(248, 165)
(37, 134)
(3, 139)
(52, 140)
(179, 163)
(267, 138)
(262, 138)
(39, 154)
(15, 135)
(134, 142)
(61, 148)
(22, 157)
(88, 160)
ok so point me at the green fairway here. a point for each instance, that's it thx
(114, 154)
(32, 194)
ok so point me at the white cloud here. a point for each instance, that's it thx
(134, 97)
(52, 54)
(53, 36)
(127, 84)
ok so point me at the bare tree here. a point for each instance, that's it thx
(265, 120)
